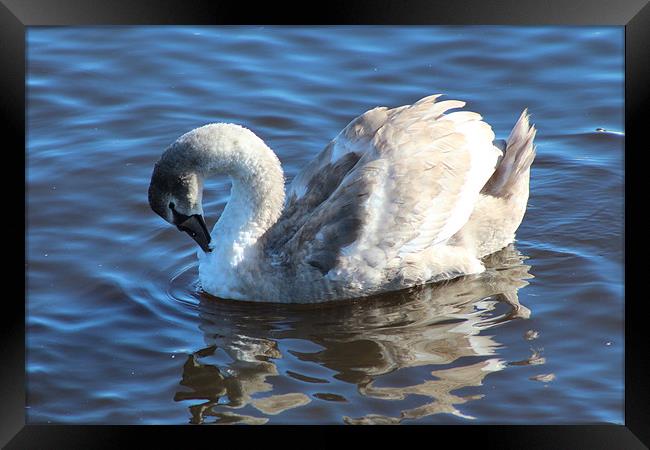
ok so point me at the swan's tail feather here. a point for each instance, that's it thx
(513, 169)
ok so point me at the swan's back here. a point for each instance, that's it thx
(394, 183)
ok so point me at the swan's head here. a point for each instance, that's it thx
(175, 194)
(176, 188)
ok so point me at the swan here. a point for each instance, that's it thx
(400, 197)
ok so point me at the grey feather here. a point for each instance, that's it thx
(519, 155)
(414, 157)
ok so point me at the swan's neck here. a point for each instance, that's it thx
(257, 194)
(254, 206)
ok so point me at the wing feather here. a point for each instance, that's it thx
(393, 182)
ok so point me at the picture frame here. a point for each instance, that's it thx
(17, 15)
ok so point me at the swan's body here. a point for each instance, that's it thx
(400, 197)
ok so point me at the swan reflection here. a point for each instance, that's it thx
(356, 343)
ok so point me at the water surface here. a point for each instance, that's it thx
(118, 330)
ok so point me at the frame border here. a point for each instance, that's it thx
(16, 15)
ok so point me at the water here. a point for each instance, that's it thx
(118, 331)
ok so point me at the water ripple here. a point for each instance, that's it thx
(118, 331)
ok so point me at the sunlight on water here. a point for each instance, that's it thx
(118, 330)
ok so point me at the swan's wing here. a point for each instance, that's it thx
(402, 186)
(323, 175)
(349, 145)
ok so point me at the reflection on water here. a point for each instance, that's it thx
(442, 326)
(108, 334)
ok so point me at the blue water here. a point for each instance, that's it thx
(118, 330)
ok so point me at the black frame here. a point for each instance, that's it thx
(16, 15)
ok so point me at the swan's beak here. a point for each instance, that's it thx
(195, 226)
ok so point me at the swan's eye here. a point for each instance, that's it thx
(171, 205)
